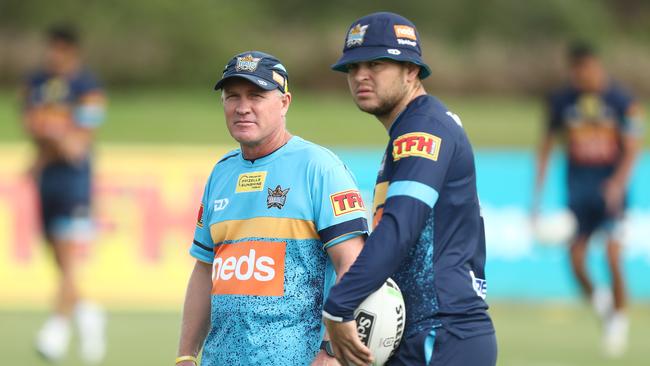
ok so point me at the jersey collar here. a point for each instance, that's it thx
(266, 159)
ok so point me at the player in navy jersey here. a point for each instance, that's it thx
(601, 124)
(62, 105)
(428, 232)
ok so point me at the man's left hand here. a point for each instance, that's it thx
(614, 192)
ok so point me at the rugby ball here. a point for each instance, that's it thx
(380, 321)
(554, 228)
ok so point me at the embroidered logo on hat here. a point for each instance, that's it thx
(247, 63)
(356, 34)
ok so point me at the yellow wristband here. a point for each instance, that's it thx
(187, 358)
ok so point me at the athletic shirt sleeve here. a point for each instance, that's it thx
(202, 247)
(90, 108)
(629, 112)
(340, 212)
(422, 149)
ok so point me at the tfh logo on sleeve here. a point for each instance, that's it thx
(418, 144)
(346, 202)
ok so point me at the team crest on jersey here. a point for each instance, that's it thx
(247, 63)
(277, 197)
(356, 34)
(418, 144)
(346, 202)
(55, 90)
(199, 219)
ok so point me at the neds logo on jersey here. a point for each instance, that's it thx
(418, 144)
(346, 202)
(249, 268)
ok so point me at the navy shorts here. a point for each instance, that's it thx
(591, 213)
(440, 347)
(64, 195)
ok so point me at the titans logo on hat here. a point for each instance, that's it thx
(356, 34)
(247, 63)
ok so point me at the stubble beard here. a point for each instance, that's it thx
(384, 108)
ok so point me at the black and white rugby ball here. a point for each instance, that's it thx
(380, 321)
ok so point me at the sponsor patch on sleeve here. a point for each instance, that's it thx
(347, 201)
(417, 144)
(199, 219)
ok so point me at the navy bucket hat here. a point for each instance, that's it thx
(260, 68)
(380, 36)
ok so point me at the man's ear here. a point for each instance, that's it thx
(412, 71)
(286, 101)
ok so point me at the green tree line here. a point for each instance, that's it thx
(472, 45)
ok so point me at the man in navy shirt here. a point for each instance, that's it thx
(62, 105)
(428, 232)
(602, 127)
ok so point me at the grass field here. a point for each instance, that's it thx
(528, 335)
(195, 117)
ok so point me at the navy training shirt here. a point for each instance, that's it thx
(429, 234)
(594, 124)
(46, 88)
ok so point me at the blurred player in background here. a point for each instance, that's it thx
(63, 104)
(428, 232)
(602, 127)
(278, 217)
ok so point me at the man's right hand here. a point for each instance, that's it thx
(323, 359)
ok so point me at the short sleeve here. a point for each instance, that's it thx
(339, 209)
(633, 121)
(202, 246)
(90, 109)
(630, 113)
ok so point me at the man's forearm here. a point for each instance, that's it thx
(631, 149)
(196, 311)
(541, 167)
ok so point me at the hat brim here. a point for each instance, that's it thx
(258, 81)
(361, 54)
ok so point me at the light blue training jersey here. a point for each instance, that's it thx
(264, 226)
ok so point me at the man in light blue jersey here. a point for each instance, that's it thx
(279, 217)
